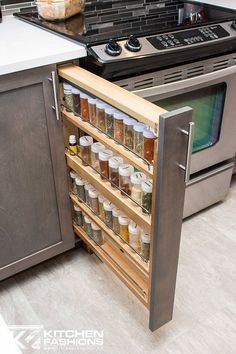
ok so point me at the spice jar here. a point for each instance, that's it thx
(101, 200)
(97, 234)
(114, 163)
(95, 148)
(118, 127)
(87, 188)
(147, 196)
(76, 101)
(129, 132)
(148, 145)
(145, 245)
(78, 215)
(85, 149)
(109, 120)
(73, 145)
(124, 223)
(80, 188)
(92, 111)
(115, 220)
(93, 200)
(84, 109)
(134, 236)
(104, 157)
(87, 226)
(108, 213)
(136, 190)
(73, 176)
(100, 113)
(138, 138)
(68, 97)
(125, 171)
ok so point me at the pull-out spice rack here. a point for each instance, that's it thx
(153, 282)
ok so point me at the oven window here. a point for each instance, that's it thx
(208, 105)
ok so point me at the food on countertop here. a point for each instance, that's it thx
(52, 10)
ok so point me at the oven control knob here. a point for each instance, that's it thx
(233, 24)
(133, 44)
(113, 48)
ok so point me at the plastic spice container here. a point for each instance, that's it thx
(100, 112)
(92, 111)
(124, 231)
(119, 127)
(134, 236)
(136, 190)
(138, 138)
(148, 145)
(85, 143)
(76, 101)
(125, 171)
(109, 119)
(87, 226)
(97, 234)
(145, 245)
(78, 215)
(87, 188)
(93, 200)
(129, 132)
(95, 148)
(68, 97)
(114, 163)
(115, 220)
(84, 109)
(73, 145)
(80, 188)
(104, 157)
(147, 196)
(108, 213)
(101, 200)
(73, 176)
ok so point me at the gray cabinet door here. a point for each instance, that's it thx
(35, 220)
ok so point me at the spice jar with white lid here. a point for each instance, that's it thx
(136, 190)
(115, 220)
(68, 96)
(119, 127)
(84, 108)
(148, 145)
(104, 157)
(108, 213)
(101, 200)
(78, 215)
(134, 236)
(73, 145)
(100, 113)
(125, 171)
(80, 188)
(97, 234)
(93, 200)
(87, 226)
(129, 132)
(95, 149)
(92, 110)
(73, 176)
(76, 101)
(114, 163)
(147, 196)
(109, 119)
(85, 142)
(87, 188)
(145, 245)
(124, 231)
(138, 138)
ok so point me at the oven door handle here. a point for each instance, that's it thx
(187, 167)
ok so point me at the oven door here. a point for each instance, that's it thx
(213, 99)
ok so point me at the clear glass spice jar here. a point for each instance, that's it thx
(114, 163)
(80, 188)
(88, 226)
(108, 213)
(68, 97)
(136, 190)
(100, 112)
(138, 138)
(129, 132)
(119, 127)
(73, 176)
(85, 143)
(76, 101)
(97, 234)
(147, 196)
(73, 145)
(115, 220)
(93, 200)
(109, 120)
(148, 145)
(78, 216)
(101, 200)
(95, 149)
(84, 108)
(134, 236)
(87, 188)
(92, 111)
(125, 171)
(124, 231)
(145, 245)
(104, 157)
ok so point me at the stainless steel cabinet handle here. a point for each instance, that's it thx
(190, 135)
(54, 85)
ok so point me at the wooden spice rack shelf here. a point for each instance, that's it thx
(132, 255)
(120, 265)
(117, 148)
(133, 211)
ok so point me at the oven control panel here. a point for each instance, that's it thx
(188, 37)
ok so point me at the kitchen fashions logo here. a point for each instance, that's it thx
(30, 338)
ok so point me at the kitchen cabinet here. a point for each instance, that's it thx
(152, 281)
(35, 219)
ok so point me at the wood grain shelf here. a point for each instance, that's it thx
(119, 264)
(133, 211)
(133, 256)
(110, 143)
